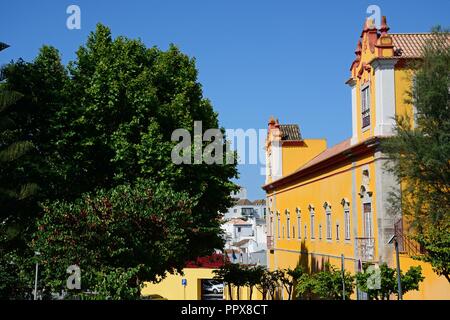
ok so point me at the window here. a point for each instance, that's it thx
(328, 219)
(299, 225)
(235, 210)
(337, 231)
(293, 232)
(320, 232)
(365, 106)
(311, 212)
(283, 232)
(239, 229)
(278, 225)
(347, 224)
(305, 233)
(288, 224)
(367, 211)
(264, 210)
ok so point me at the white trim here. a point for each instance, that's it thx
(384, 96)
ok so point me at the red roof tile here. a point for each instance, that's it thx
(411, 45)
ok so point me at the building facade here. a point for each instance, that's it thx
(330, 204)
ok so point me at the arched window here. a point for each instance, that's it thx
(312, 218)
(346, 206)
(327, 208)
(288, 223)
(366, 201)
(278, 225)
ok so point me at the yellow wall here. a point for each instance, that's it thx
(403, 83)
(433, 287)
(330, 186)
(172, 289)
(301, 153)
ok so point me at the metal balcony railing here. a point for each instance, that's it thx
(366, 248)
(406, 245)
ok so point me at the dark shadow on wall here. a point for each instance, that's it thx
(310, 264)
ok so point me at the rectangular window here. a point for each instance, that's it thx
(299, 227)
(312, 226)
(365, 107)
(347, 224)
(320, 232)
(293, 232)
(288, 225)
(328, 225)
(278, 227)
(305, 233)
(368, 220)
(337, 232)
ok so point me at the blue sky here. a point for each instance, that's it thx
(259, 58)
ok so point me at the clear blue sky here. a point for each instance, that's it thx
(256, 58)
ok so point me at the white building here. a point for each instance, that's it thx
(245, 230)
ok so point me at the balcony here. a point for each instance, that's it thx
(270, 243)
(366, 249)
(405, 245)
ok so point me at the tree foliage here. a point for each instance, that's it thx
(388, 284)
(104, 123)
(420, 153)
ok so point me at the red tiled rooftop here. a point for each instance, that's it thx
(411, 45)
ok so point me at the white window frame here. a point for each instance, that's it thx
(278, 225)
(329, 231)
(311, 221)
(299, 224)
(365, 105)
(288, 224)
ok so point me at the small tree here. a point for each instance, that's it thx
(305, 286)
(254, 277)
(387, 285)
(265, 282)
(274, 282)
(289, 278)
(328, 283)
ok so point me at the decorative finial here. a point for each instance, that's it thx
(384, 27)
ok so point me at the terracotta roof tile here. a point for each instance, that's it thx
(411, 45)
(290, 132)
(236, 221)
(243, 202)
(259, 202)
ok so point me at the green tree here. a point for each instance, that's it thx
(305, 286)
(420, 154)
(253, 277)
(16, 193)
(289, 279)
(264, 283)
(140, 230)
(328, 283)
(387, 284)
(106, 120)
(232, 275)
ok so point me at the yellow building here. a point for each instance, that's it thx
(326, 204)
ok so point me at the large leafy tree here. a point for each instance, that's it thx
(420, 153)
(106, 120)
(118, 238)
(16, 192)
